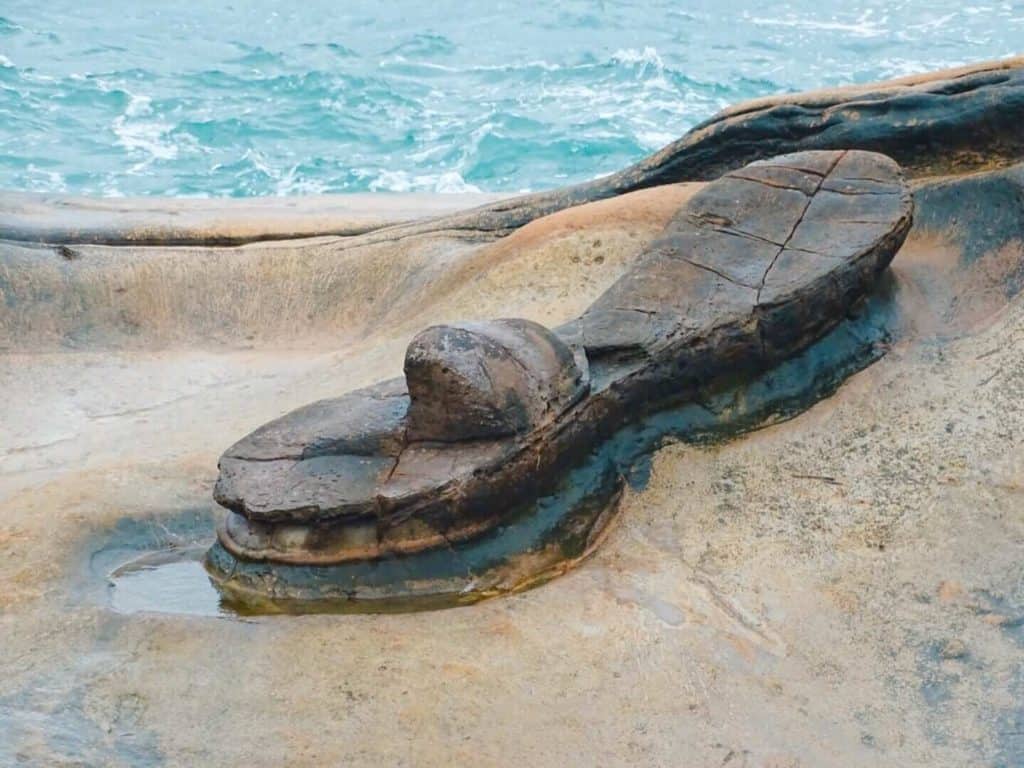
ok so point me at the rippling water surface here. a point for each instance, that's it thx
(137, 97)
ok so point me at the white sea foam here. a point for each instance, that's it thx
(532, 64)
(936, 23)
(427, 153)
(648, 56)
(42, 180)
(110, 189)
(294, 183)
(448, 183)
(143, 136)
(891, 67)
(863, 26)
(648, 61)
(452, 183)
(392, 181)
(655, 139)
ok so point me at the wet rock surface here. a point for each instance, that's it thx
(752, 269)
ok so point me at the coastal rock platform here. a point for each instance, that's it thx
(838, 582)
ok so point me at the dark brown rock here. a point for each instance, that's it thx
(759, 243)
(936, 123)
(752, 269)
(487, 380)
(367, 422)
(325, 458)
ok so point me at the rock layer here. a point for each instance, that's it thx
(752, 269)
(74, 295)
(942, 122)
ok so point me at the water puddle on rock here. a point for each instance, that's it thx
(538, 543)
(173, 581)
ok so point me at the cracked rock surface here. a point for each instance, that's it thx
(751, 269)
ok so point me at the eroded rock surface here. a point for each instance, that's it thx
(752, 269)
(803, 579)
(80, 291)
(790, 596)
(488, 380)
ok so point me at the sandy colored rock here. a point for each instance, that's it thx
(783, 598)
(727, 614)
(231, 221)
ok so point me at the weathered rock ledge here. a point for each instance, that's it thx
(61, 219)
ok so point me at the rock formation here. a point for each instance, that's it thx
(942, 122)
(815, 564)
(492, 414)
(755, 267)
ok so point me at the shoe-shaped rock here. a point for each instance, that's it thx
(752, 269)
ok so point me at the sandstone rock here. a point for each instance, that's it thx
(752, 269)
(487, 380)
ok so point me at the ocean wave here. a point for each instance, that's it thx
(402, 97)
(142, 136)
(8, 27)
(863, 26)
(519, 67)
(423, 44)
(448, 183)
(654, 140)
(256, 56)
(42, 180)
(295, 182)
(648, 57)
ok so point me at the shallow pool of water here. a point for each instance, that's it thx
(173, 581)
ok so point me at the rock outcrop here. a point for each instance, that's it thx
(784, 583)
(943, 122)
(386, 470)
(62, 287)
(752, 269)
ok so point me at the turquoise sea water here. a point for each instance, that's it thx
(140, 97)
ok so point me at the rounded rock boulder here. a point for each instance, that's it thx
(478, 381)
